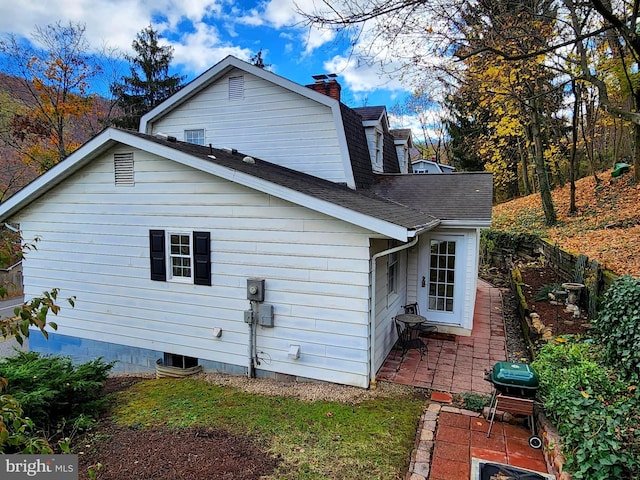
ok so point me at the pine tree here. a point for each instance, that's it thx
(149, 83)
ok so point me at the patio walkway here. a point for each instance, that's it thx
(456, 364)
(450, 440)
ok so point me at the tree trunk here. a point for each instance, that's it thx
(636, 152)
(575, 88)
(541, 169)
(636, 142)
(524, 166)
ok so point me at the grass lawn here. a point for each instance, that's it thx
(313, 440)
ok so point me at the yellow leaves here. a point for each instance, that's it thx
(584, 394)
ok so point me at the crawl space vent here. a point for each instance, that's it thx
(123, 167)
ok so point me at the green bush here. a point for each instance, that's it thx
(596, 413)
(618, 327)
(53, 392)
(16, 432)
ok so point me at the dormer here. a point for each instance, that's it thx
(379, 140)
(404, 143)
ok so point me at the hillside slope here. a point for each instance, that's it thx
(606, 228)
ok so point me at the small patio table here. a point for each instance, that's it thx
(415, 323)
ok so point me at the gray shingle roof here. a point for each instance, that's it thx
(358, 148)
(370, 113)
(451, 196)
(362, 201)
(410, 201)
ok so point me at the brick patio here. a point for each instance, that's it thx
(456, 364)
(449, 438)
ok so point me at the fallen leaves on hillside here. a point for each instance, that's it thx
(606, 228)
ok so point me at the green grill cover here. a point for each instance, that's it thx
(510, 374)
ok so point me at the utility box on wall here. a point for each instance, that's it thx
(265, 315)
(255, 289)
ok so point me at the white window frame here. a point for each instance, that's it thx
(171, 277)
(191, 133)
(379, 142)
(392, 270)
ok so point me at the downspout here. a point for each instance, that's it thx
(372, 308)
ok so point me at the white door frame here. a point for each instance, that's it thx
(437, 307)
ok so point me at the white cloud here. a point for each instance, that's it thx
(203, 48)
(361, 77)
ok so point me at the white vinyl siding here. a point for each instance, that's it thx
(96, 247)
(388, 304)
(271, 123)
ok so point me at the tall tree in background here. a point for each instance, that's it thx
(149, 82)
(593, 42)
(54, 74)
(14, 173)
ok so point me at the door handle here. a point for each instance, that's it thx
(424, 282)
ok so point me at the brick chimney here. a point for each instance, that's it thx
(327, 85)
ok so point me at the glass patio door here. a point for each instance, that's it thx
(441, 278)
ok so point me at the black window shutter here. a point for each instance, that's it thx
(202, 258)
(157, 254)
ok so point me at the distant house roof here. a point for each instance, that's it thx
(431, 166)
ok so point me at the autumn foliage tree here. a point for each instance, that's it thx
(55, 72)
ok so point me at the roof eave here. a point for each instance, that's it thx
(109, 137)
(466, 223)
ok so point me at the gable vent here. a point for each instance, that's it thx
(123, 167)
(236, 88)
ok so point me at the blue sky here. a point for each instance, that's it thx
(203, 32)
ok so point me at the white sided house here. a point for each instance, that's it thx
(254, 226)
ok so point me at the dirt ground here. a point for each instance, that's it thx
(197, 454)
(555, 316)
(154, 453)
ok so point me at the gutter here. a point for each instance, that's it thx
(372, 307)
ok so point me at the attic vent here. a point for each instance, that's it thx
(236, 88)
(123, 168)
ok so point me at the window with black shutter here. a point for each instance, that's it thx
(180, 256)
(158, 255)
(202, 258)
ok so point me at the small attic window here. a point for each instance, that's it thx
(123, 168)
(236, 88)
(194, 136)
(378, 150)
